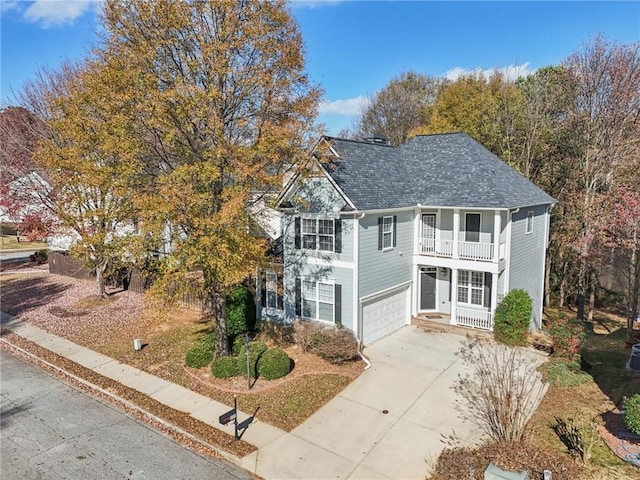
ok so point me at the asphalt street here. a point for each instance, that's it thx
(49, 430)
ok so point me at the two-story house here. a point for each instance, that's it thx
(374, 234)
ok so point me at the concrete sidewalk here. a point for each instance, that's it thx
(387, 424)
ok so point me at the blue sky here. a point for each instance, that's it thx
(355, 47)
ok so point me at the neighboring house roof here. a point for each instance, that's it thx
(442, 170)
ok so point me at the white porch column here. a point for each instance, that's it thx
(437, 242)
(496, 236)
(494, 293)
(454, 294)
(456, 232)
(417, 227)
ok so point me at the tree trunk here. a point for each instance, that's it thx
(633, 300)
(218, 304)
(592, 296)
(563, 282)
(100, 287)
(582, 274)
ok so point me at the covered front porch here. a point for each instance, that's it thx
(455, 296)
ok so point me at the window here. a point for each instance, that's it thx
(386, 232)
(529, 222)
(271, 290)
(471, 287)
(472, 227)
(318, 234)
(318, 300)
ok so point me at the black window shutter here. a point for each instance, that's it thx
(297, 233)
(263, 288)
(280, 290)
(337, 229)
(394, 229)
(298, 297)
(487, 289)
(379, 233)
(337, 300)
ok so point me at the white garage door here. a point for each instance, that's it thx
(384, 315)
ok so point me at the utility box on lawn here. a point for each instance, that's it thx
(494, 472)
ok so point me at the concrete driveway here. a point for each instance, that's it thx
(387, 424)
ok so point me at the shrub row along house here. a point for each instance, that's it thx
(373, 234)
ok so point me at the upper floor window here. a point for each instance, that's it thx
(386, 232)
(529, 227)
(318, 234)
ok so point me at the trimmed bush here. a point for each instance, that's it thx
(337, 346)
(241, 311)
(632, 413)
(567, 336)
(560, 372)
(256, 349)
(237, 345)
(225, 367)
(201, 354)
(274, 363)
(512, 317)
(279, 334)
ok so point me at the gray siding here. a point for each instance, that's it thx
(526, 269)
(317, 198)
(380, 270)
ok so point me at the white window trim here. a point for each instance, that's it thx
(316, 221)
(317, 299)
(479, 226)
(469, 288)
(528, 229)
(389, 233)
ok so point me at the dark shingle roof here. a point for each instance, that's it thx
(444, 170)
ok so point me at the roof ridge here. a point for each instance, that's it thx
(351, 140)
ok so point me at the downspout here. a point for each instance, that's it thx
(356, 282)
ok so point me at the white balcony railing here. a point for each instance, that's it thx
(440, 248)
(470, 317)
(475, 251)
(466, 250)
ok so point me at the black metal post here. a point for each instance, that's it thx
(235, 420)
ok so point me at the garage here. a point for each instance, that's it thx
(384, 314)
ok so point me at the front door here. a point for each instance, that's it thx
(428, 289)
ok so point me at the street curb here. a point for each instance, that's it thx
(144, 415)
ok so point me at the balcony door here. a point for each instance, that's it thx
(472, 227)
(428, 232)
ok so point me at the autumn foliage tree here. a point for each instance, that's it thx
(25, 196)
(398, 108)
(220, 104)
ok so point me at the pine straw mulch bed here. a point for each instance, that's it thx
(195, 434)
(68, 308)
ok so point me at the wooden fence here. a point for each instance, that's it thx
(68, 266)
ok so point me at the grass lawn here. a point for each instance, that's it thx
(604, 357)
(10, 242)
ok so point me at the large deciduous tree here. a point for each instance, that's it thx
(603, 119)
(402, 105)
(92, 156)
(220, 102)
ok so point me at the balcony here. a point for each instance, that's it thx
(482, 252)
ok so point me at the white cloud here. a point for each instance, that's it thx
(56, 12)
(510, 72)
(347, 106)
